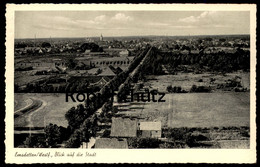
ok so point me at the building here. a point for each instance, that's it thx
(150, 129)
(35, 64)
(101, 37)
(124, 53)
(93, 80)
(87, 51)
(88, 145)
(102, 82)
(107, 72)
(123, 127)
(114, 61)
(98, 54)
(111, 143)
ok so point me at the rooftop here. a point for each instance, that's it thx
(107, 72)
(123, 127)
(150, 126)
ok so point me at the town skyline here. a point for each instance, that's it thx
(143, 36)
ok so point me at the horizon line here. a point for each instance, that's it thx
(137, 36)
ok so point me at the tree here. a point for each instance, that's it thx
(169, 88)
(75, 116)
(70, 63)
(84, 133)
(99, 71)
(88, 128)
(143, 143)
(91, 46)
(107, 107)
(74, 140)
(32, 142)
(16, 88)
(46, 44)
(106, 133)
(53, 135)
(193, 88)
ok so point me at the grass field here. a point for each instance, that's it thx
(25, 77)
(52, 111)
(198, 110)
(18, 104)
(179, 110)
(186, 80)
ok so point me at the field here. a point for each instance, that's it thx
(197, 110)
(25, 77)
(179, 110)
(52, 110)
(186, 80)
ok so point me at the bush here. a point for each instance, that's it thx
(143, 143)
(24, 68)
(106, 133)
(184, 136)
(169, 88)
(55, 134)
(33, 142)
(74, 140)
(244, 133)
(195, 88)
(175, 89)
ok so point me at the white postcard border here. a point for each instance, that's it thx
(130, 155)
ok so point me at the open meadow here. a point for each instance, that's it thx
(197, 110)
(186, 80)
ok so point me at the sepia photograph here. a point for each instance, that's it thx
(132, 79)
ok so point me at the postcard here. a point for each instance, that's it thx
(130, 83)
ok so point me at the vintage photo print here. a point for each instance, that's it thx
(130, 83)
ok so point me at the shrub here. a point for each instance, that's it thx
(175, 89)
(244, 133)
(195, 88)
(106, 133)
(143, 143)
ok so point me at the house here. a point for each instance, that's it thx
(88, 145)
(124, 53)
(150, 129)
(103, 81)
(40, 51)
(111, 143)
(117, 70)
(107, 72)
(123, 127)
(87, 51)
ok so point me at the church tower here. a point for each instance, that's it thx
(101, 38)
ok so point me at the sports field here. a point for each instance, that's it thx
(52, 109)
(198, 110)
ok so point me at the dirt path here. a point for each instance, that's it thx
(29, 118)
(23, 116)
(29, 103)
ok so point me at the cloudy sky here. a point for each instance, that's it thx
(44, 24)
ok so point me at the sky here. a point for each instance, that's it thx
(46, 24)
